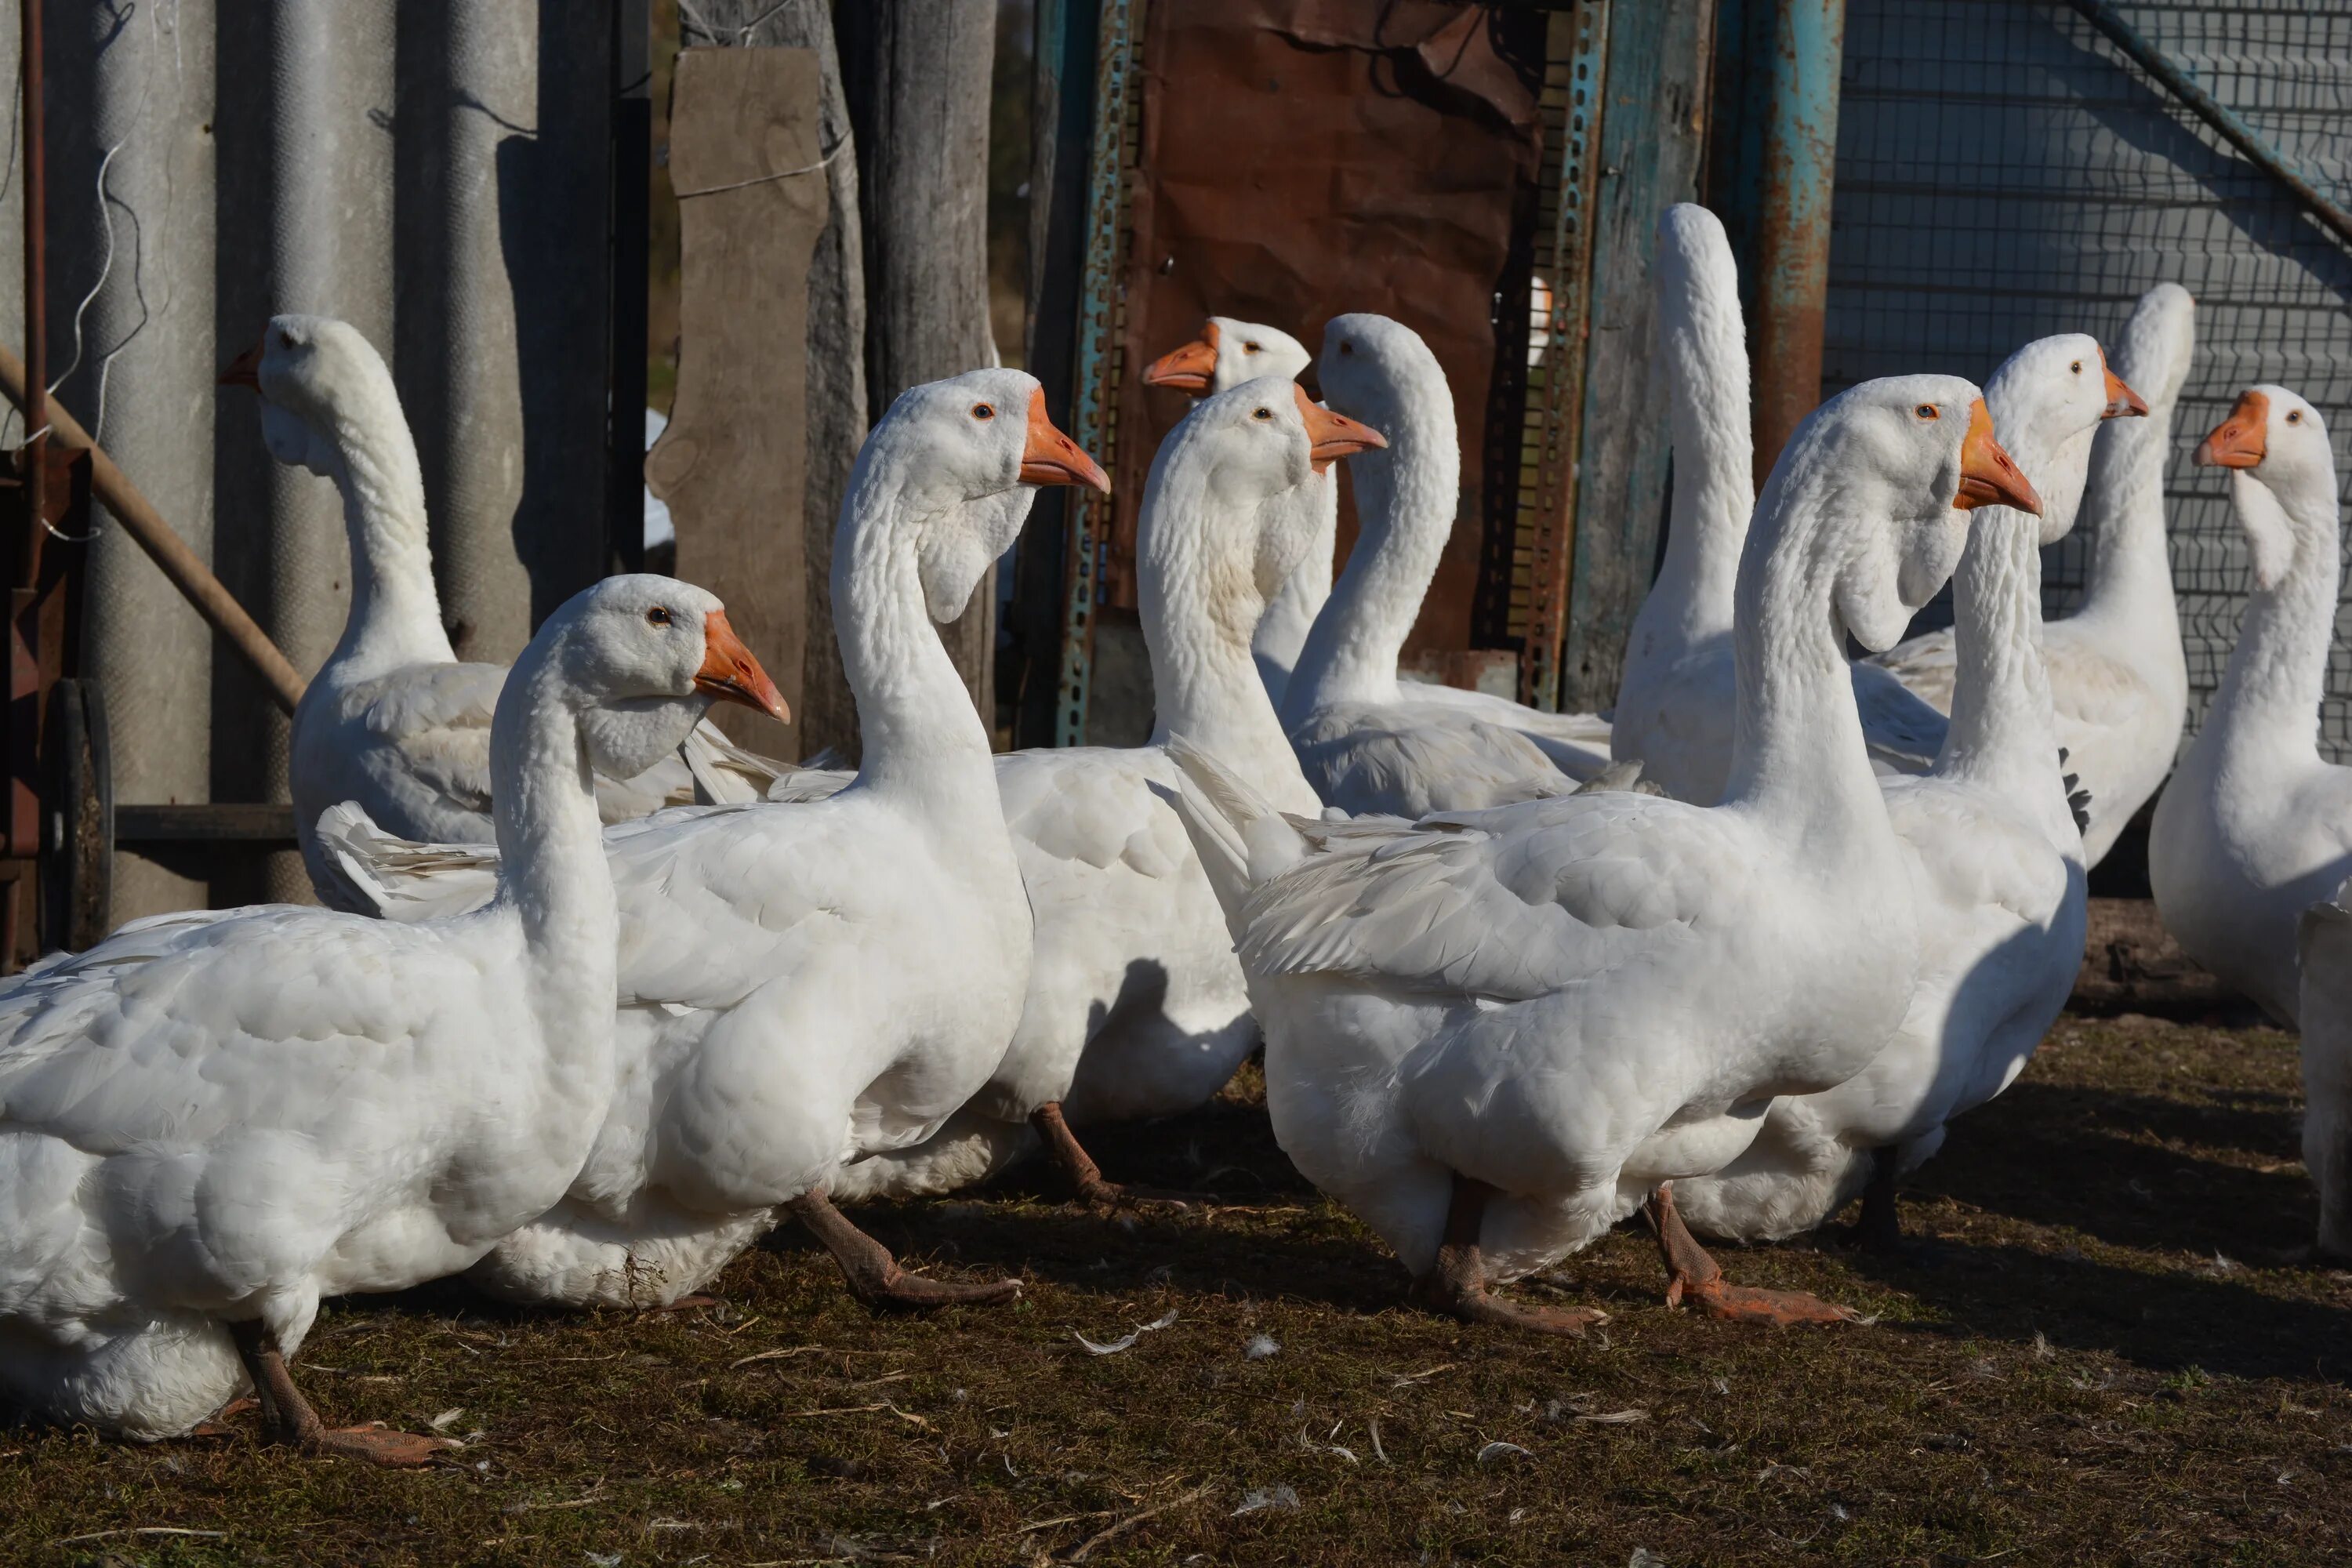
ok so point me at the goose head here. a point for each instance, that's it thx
(1226, 354)
(316, 376)
(1371, 364)
(644, 657)
(971, 451)
(2277, 446)
(2050, 396)
(1899, 463)
(1250, 447)
(2155, 347)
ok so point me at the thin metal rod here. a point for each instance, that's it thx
(2244, 137)
(139, 518)
(34, 401)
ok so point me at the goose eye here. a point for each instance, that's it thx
(2295, 418)
(2076, 367)
(983, 411)
(1249, 348)
(657, 616)
(1346, 347)
(1261, 413)
(1928, 410)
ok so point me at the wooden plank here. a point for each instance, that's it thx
(825, 718)
(1653, 144)
(917, 74)
(265, 823)
(747, 166)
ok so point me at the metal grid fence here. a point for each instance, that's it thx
(2004, 172)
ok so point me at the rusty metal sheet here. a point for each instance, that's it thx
(1305, 158)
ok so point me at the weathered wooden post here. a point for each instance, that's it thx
(917, 76)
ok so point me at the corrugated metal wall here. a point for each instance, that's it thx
(435, 172)
(2003, 173)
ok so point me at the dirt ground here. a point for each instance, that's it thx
(2104, 1358)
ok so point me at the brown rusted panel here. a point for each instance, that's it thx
(1305, 158)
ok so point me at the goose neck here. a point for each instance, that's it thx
(1714, 452)
(1798, 755)
(920, 736)
(1201, 607)
(2268, 706)
(395, 613)
(552, 874)
(2130, 576)
(1405, 498)
(2001, 733)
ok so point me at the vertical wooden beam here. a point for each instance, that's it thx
(1653, 141)
(918, 76)
(1581, 37)
(1792, 223)
(825, 718)
(752, 201)
(627, 280)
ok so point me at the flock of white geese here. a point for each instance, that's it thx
(601, 996)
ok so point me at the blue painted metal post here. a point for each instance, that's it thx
(1792, 217)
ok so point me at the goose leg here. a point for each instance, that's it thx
(1456, 1283)
(874, 1276)
(1070, 1157)
(1880, 1228)
(1692, 1273)
(287, 1418)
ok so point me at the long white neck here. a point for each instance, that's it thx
(1714, 481)
(2129, 586)
(552, 872)
(1282, 631)
(2268, 708)
(920, 739)
(396, 617)
(1797, 754)
(1201, 605)
(1405, 497)
(2001, 735)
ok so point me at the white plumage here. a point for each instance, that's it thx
(210, 1120)
(2256, 826)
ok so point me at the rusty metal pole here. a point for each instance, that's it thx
(1792, 231)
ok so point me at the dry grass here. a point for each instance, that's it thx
(2080, 1379)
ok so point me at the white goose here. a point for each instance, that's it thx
(392, 721)
(806, 985)
(1677, 688)
(209, 1122)
(2118, 677)
(1997, 859)
(1494, 1034)
(2255, 826)
(1136, 1004)
(2324, 950)
(1370, 742)
(1227, 354)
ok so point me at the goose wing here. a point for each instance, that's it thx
(177, 1031)
(1418, 758)
(1506, 905)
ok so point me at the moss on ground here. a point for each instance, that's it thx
(2103, 1359)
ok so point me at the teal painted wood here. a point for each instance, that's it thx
(1093, 398)
(1653, 145)
(1798, 177)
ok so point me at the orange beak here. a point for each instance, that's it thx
(244, 369)
(2123, 403)
(1188, 368)
(730, 674)
(1988, 474)
(1334, 435)
(1052, 458)
(2241, 441)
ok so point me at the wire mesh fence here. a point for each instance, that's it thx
(2005, 172)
